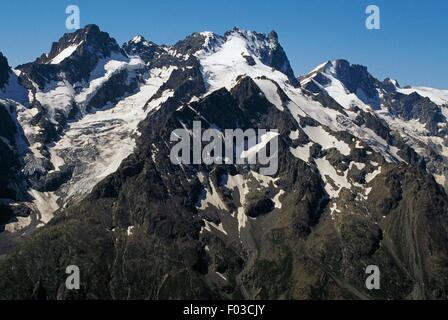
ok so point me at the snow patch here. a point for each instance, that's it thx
(14, 90)
(45, 203)
(238, 182)
(371, 175)
(209, 225)
(302, 152)
(276, 199)
(64, 54)
(211, 197)
(439, 97)
(326, 171)
(269, 90)
(326, 140)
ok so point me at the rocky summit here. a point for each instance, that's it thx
(86, 177)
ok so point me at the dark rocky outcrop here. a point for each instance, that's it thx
(414, 106)
(92, 45)
(4, 71)
(143, 48)
(12, 185)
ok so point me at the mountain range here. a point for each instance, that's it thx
(86, 178)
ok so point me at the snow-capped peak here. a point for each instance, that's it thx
(208, 34)
(349, 84)
(438, 96)
(255, 41)
(250, 48)
(91, 39)
(239, 53)
(391, 82)
(321, 67)
(211, 39)
(257, 44)
(138, 39)
(10, 88)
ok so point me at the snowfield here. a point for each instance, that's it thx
(223, 65)
(97, 143)
(64, 54)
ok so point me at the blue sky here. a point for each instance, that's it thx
(412, 45)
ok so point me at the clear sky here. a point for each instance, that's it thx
(411, 46)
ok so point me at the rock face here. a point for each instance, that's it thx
(75, 55)
(351, 190)
(10, 165)
(12, 182)
(4, 71)
(139, 46)
(276, 57)
(417, 115)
